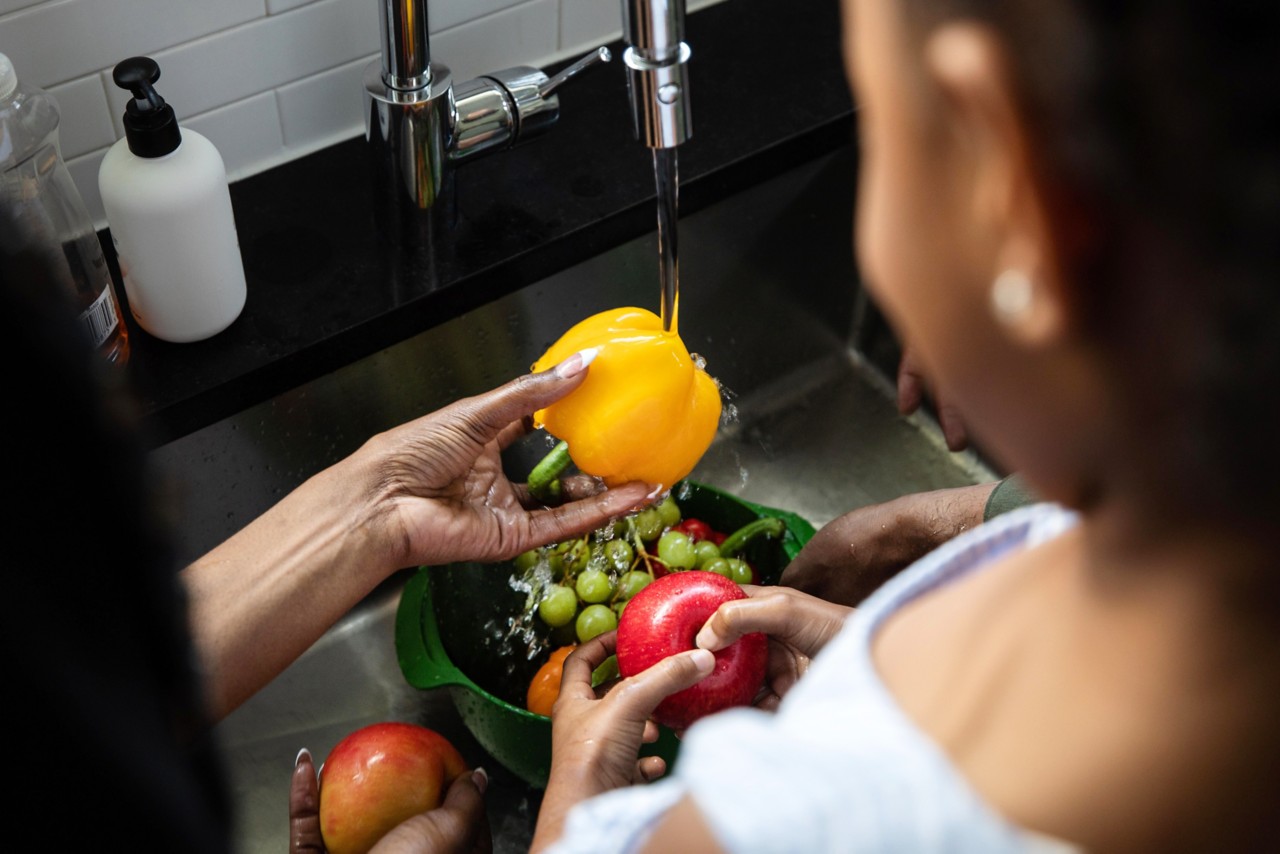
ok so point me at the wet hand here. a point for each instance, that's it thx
(439, 490)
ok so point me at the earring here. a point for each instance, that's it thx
(1011, 294)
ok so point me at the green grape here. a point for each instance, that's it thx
(559, 606)
(739, 570)
(555, 562)
(669, 511)
(619, 554)
(720, 566)
(632, 583)
(575, 554)
(705, 550)
(648, 524)
(595, 620)
(676, 550)
(526, 561)
(594, 586)
(619, 607)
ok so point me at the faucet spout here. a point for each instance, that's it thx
(657, 61)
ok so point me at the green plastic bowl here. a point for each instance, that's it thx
(466, 603)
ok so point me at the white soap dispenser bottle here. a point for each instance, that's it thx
(168, 208)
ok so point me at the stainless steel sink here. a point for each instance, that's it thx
(770, 299)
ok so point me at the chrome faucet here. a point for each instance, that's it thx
(657, 70)
(420, 124)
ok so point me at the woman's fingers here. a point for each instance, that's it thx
(304, 807)
(492, 413)
(552, 524)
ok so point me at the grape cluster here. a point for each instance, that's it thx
(583, 585)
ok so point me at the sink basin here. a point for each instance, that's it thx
(770, 299)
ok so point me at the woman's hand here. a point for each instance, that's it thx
(798, 626)
(595, 740)
(459, 826)
(431, 491)
(912, 388)
(440, 490)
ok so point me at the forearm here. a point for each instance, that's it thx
(260, 599)
(854, 554)
(567, 786)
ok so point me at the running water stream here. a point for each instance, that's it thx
(666, 175)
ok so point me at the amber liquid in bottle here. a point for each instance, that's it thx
(99, 312)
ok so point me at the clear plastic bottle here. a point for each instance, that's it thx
(49, 213)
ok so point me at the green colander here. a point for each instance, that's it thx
(450, 621)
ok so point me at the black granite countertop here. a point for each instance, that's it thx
(329, 281)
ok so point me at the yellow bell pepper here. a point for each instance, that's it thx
(646, 410)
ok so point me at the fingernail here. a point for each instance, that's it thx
(577, 363)
(302, 753)
(648, 498)
(481, 778)
(703, 659)
(656, 493)
(706, 638)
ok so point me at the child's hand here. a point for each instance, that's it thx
(798, 626)
(595, 740)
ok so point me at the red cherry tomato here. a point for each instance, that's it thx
(717, 537)
(659, 568)
(695, 528)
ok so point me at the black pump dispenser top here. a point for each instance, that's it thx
(150, 125)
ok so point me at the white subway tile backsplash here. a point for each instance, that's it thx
(275, 7)
(326, 106)
(260, 55)
(7, 6)
(55, 42)
(84, 122)
(585, 24)
(446, 14)
(527, 34)
(246, 133)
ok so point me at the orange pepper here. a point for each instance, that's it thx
(545, 686)
(646, 411)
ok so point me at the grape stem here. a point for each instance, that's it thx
(767, 526)
(544, 480)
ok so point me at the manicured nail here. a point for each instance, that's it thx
(481, 778)
(577, 363)
(301, 753)
(703, 659)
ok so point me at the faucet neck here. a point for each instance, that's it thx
(655, 28)
(406, 45)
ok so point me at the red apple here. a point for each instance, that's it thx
(379, 776)
(664, 618)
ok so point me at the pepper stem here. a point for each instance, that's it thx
(544, 480)
(767, 526)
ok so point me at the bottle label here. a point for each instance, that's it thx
(101, 318)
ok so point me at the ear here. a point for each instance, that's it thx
(1010, 203)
